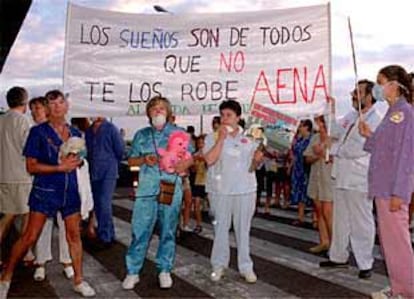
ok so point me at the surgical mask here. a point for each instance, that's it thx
(316, 127)
(159, 120)
(378, 92)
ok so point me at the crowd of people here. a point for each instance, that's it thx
(51, 169)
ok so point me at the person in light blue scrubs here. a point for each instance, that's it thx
(147, 210)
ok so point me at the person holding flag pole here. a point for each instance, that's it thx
(353, 219)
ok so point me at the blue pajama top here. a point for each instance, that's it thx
(143, 144)
(43, 144)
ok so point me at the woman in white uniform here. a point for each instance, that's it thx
(232, 190)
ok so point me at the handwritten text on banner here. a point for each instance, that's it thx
(115, 62)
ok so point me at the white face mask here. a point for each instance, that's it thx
(316, 127)
(159, 120)
(378, 93)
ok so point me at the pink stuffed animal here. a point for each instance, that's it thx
(176, 151)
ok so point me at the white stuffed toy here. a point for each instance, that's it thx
(77, 146)
(74, 145)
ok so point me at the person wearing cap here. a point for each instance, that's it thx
(391, 177)
(147, 209)
(231, 183)
(353, 218)
(55, 188)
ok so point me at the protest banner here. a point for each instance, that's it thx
(115, 62)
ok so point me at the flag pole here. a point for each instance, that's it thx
(329, 120)
(355, 67)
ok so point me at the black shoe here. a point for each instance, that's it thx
(331, 264)
(365, 274)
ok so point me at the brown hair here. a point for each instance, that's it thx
(52, 95)
(321, 118)
(159, 100)
(399, 74)
(37, 100)
(16, 96)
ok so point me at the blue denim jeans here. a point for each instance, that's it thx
(103, 191)
(147, 211)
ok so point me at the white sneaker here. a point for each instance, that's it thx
(217, 274)
(68, 272)
(187, 229)
(130, 281)
(250, 277)
(84, 289)
(4, 289)
(40, 273)
(165, 280)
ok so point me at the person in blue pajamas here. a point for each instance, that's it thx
(147, 211)
(55, 189)
(105, 150)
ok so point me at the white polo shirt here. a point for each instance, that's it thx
(230, 174)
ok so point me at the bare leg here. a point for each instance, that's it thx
(278, 192)
(322, 226)
(286, 194)
(327, 208)
(91, 232)
(26, 241)
(301, 212)
(197, 211)
(29, 257)
(314, 218)
(73, 237)
(5, 224)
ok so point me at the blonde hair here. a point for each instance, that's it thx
(159, 100)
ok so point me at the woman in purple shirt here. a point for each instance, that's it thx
(391, 177)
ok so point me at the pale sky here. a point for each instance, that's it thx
(382, 34)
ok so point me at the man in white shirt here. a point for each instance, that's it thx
(353, 220)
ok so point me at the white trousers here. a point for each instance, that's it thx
(353, 224)
(240, 208)
(43, 249)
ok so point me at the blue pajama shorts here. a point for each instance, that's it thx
(49, 201)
